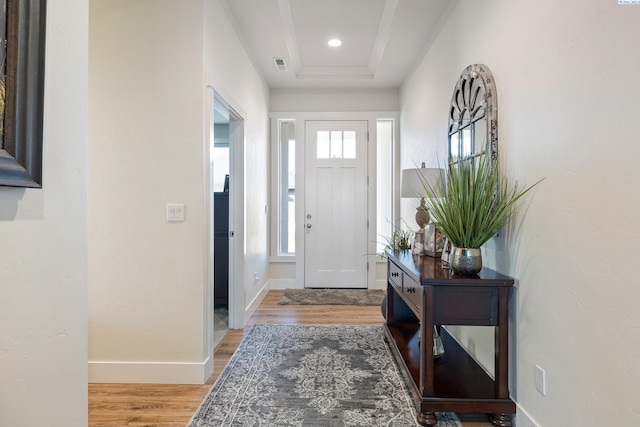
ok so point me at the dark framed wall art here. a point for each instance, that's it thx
(22, 57)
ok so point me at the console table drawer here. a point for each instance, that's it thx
(466, 306)
(395, 275)
(412, 293)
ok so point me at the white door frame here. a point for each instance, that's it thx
(236, 219)
(300, 118)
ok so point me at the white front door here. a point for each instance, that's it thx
(336, 204)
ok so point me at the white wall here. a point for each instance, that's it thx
(43, 278)
(568, 112)
(146, 275)
(149, 111)
(230, 71)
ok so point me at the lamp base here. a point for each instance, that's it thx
(422, 214)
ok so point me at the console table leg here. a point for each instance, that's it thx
(427, 419)
(501, 420)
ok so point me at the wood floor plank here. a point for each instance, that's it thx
(160, 405)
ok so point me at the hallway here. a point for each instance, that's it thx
(174, 405)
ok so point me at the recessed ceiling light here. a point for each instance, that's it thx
(335, 42)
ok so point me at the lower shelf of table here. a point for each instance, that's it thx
(460, 384)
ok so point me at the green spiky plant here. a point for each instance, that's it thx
(477, 203)
(400, 239)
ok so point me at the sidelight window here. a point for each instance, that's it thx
(286, 192)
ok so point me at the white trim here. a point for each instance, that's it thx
(150, 372)
(281, 259)
(290, 34)
(253, 305)
(335, 115)
(379, 284)
(384, 30)
(236, 216)
(372, 215)
(523, 419)
(274, 176)
(208, 291)
(237, 290)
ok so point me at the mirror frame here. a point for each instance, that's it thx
(21, 147)
(465, 99)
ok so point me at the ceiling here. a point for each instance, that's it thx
(382, 39)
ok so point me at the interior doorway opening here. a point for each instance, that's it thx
(220, 173)
(225, 186)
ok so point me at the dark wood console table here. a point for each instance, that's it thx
(421, 294)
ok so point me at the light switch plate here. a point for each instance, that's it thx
(175, 212)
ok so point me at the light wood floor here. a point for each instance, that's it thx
(144, 405)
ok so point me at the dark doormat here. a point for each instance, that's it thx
(332, 297)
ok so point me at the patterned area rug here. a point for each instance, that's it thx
(332, 296)
(311, 376)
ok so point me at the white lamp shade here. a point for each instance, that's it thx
(414, 181)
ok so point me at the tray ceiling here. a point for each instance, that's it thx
(381, 39)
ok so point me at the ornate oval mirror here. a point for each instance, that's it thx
(473, 116)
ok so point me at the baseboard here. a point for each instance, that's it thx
(379, 284)
(282, 284)
(150, 372)
(208, 369)
(523, 419)
(253, 305)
